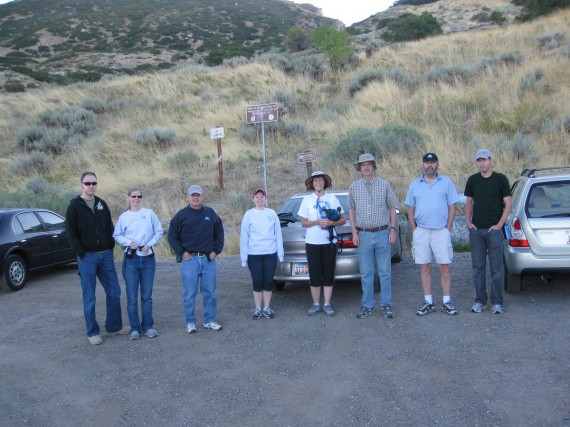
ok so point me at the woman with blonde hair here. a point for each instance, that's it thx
(138, 230)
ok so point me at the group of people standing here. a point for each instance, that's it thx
(196, 235)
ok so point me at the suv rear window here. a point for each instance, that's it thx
(549, 199)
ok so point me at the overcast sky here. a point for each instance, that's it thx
(347, 11)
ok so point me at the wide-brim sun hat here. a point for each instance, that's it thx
(365, 158)
(309, 180)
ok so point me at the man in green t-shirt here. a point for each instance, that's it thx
(488, 203)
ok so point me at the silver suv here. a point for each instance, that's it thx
(537, 229)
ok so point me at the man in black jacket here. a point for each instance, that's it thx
(90, 233)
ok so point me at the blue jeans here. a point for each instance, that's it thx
(139, 270)
(101, 265)
(262, 269)
(487, 243)
(374, 249)
(199, 270)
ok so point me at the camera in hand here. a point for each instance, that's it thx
(130, 252)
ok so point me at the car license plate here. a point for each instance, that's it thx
(300, 269)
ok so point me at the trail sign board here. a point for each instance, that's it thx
(261, 113)
(307, 156)
(216, 133)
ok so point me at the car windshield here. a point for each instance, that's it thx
(549, 200)
(292, 206)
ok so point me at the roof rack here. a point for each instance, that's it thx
(531, 172)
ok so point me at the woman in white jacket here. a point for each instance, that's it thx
(261, 244)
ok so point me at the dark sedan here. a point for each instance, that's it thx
(31, 239)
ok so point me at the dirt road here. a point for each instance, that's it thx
(294, 370)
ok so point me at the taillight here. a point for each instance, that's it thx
(517, 238)
(346, 244)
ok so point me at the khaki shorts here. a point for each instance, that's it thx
(427, 241)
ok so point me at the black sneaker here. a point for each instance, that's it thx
(364, 312)
(425, 309)
(256, 313)
(315, 308)
(448, 308)
(387, 312)
(268, 312)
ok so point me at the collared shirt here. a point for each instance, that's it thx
(372, 201)
(431, 201)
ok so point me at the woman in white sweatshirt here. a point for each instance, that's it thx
(261, 244)
(138, 230)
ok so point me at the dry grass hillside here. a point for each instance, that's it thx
(507, 89)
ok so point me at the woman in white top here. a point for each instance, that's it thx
(320, 240)
(261, 243)
(138, 230)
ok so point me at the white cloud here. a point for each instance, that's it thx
(349, 11)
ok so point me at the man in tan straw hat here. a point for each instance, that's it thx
(372, 208)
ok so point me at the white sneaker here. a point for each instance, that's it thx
(213, 326)
(191, 328)
(95, 340)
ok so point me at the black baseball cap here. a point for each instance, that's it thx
(430, 157)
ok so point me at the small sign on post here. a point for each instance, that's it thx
(307, 157)
(217, 133)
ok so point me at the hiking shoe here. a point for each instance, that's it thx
(364, 312)
(425, 309)
(256, 313)
(191, 328)
(497, 309)
(95, 340)
(327, 308)
(387, 312)
(448, 308)
(315, 308)
(267, 312)
(213, 326)
(478, 307)
(135, 335)
(151, 333)
(125, 330)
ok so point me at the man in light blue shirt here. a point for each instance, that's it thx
(431, 210)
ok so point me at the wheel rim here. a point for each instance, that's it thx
(17, 273)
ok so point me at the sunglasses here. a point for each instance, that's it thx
(135, 196)
(90, 183)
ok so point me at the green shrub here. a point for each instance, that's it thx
(247, 132)
(498, 18)
(408, 27)
(39, 193)
(235, 61)
(480, 17)
(76, 120)
(364, 78)
(402, 139)
(550, 40)
(33, 163)
(530, 82)
(14, 87)
(183, 159)
(520, 147)
(97, 105)
(156, 138)
(310, 66)
(239, 202)
(293, 130)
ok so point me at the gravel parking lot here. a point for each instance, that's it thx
(294, 370)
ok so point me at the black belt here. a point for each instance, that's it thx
(372, 230)
(197, 253)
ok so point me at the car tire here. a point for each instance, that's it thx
(513, 282)
(15, 272)
(278, 286)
